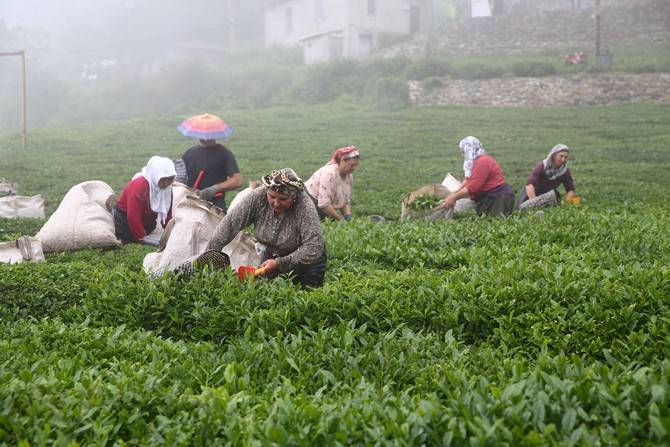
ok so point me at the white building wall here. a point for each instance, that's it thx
(307, 21)
(392, 16)
(320, 24)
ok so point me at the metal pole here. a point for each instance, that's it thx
(597, 28)
(25, 102)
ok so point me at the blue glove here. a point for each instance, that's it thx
(348, 217)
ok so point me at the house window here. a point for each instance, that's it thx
(320, 11)
(288, 15)
(372, 7)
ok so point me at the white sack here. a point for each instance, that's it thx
(179, 193)
(187, 234)
(83, 220)
(25, 248)
(20, 206)
(244, 250)
(451, 183)
(7, 188)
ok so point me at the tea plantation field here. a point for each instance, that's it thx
(538, 329)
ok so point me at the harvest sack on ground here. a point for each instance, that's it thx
(25, 248)
(83, 220)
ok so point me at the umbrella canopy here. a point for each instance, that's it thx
(205, 127)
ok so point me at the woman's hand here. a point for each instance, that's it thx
(450, 200)
(530, 191)
(268, 267)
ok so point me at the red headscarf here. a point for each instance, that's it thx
(344, 153)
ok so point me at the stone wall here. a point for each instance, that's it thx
(549, 91)
(632, 20)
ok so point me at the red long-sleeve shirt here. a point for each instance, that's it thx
(134, 201)
(486, 175)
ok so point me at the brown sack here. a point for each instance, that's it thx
(438, 212)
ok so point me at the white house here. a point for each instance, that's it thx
(330, 29)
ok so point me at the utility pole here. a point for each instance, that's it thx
(23, 88)
(597, 29)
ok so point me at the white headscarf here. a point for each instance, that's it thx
(472, 149)
(161, 199)
(549, 170)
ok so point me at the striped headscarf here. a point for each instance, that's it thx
(284, 181)
(549, 170)
(472, 150)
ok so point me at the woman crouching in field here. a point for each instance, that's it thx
(145, 202)
(541, 186)
(286, 222)
(331, 185)
(484, 181)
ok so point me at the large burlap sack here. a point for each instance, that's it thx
(437, 212)
(8, 188)
(20, 206)
(25, 248)
(83, 220)
(451, 183)
(244, 250)
(186, 235)
(179, 193)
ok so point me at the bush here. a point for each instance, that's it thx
(431, 84)
(533, 69)
(388, 92)
(478, 70)
(426, 68)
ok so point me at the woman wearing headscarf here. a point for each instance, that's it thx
(548, 175)
(286, 222)
(484, 181)
(330, 186)
(146, 201)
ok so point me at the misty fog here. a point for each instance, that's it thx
(106, 59)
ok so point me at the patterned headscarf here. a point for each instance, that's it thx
(472, 149)
(344, 153)
(284, 181)
(549, 170)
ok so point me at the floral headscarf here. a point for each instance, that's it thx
(284, 181)
(472, 149)
(549, 170)
(344, 153)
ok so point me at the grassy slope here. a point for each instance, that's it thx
(529, 330)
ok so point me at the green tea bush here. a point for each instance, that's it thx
(478, 70)
(533, 69)
(426, 68)
(115, 385)
(546, 328)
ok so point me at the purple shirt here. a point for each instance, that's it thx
(542, 184)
